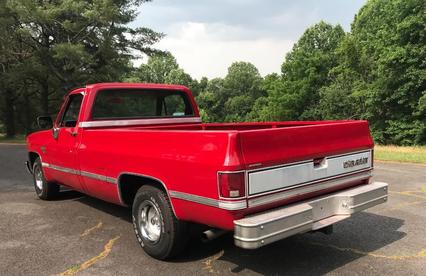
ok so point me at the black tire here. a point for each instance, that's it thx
(173, 235)
(44, 190)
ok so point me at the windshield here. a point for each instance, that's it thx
(137, 103)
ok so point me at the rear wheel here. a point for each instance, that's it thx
(158, 231)
(44, 190)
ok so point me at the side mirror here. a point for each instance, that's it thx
(44, 122)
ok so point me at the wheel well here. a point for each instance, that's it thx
(129, 184)
(32, 156)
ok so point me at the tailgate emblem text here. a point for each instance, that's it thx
(356, 162)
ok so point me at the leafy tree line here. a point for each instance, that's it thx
(48, 47)
(376, 72)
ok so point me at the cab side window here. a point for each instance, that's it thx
(70, 117)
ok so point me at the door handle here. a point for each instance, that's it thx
(74, 133)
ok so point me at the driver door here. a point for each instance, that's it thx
(64, 160)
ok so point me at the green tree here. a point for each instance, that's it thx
(71, 43)
(157, 68)
(381, 72)
(163, 68)
(13, 53)
(263, 107)
(242, 87)
(304, 71)
(347, 96)
(231, 99)
(393, 34)
(211, 101)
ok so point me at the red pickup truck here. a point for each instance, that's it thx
(144, 146)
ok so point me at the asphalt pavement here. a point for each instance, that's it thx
(77, 234)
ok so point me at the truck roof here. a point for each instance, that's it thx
(103, 85)
(136, 85)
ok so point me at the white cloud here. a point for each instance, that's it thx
(209, 49)
(207, 36)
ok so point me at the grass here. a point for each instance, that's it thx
(19, 139)
(400, 154)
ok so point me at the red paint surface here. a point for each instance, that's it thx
(187, 157)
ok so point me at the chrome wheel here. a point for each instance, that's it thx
(150, 221)
(38, 175)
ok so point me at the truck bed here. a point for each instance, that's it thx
(285, 162)
(271, 143)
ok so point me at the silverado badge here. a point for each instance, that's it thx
(356, 162)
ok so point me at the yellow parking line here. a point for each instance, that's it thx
(77, 268)
(208, 264)
(87, 231)
(420, 254)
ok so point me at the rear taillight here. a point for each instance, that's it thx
(231, 184)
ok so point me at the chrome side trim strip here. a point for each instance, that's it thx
(82, 173)
(61, 169)
(253, 202)
(222, 204)
(111, 180)
(93, 175)
(99, 177)
(160, 121)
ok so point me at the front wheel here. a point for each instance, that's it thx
(158, 231)
(44, 190)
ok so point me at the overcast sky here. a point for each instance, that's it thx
(207, 36)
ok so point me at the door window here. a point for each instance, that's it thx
(70, 117)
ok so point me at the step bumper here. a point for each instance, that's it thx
(261, 229)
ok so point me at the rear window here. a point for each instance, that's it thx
(136, 103)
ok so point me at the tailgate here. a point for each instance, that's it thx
(287, 157)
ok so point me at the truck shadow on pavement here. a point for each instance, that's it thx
(312, 253)
(309, 253)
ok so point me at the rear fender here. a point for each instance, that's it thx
(144, 180)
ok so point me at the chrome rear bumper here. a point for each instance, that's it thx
(261, 229)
